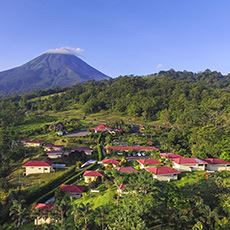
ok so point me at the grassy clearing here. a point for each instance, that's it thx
(33, 180)
(98, 199)
(190, 178)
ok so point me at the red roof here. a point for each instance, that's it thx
(130, 148)
(37, 163)
(127, 169)
(44, 206)
(148, 162)
(170, 155)
(164, 170)
(101, 128)
(186, 160)
(216, 161)
(72, 188)
(92, 174)
(110, 161)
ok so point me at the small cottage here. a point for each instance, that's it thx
(72, 190)
(43, 210)
(164, 173)
(35, 167)
(101, 128)
(216, 164)
(91, 176)
(188, 164)
(113, 162)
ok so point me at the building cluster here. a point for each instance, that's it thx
(166, 167)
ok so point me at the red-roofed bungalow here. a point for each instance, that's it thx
(113, 162)
(91, 176)
(188, 164)
(72, 190)
(148, 162)
(164, 173)
(43, 216)
(34, 167)
(101, 128)
(216, 164)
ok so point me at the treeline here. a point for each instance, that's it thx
(145, 204)
(194, 106)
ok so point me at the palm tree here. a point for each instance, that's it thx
(18, 212)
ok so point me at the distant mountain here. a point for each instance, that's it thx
(47, 71)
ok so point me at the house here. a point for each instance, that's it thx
(216, 164)
(91, 176)
(101, 128)
(170, 155)
(72, 190)
(53, 148)
(127, 148)
(188, 164)
(43, 216)
(34, 167)
(54, 155)
(164, 173)
(87, 151)
(31, 143)
(104, 128)
(127, 169)
(148, 163)
(113, 162)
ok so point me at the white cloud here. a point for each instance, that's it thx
(66, 50)
(158, 66)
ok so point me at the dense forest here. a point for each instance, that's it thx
(193, 108)
(185, 112)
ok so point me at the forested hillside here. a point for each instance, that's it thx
(178, 112)
(194, 109)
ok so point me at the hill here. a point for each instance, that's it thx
(187, 115)
(49, 70)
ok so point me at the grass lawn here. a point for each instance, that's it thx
(190, 178)
(98, 199)
(33, 180)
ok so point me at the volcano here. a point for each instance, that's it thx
(47, 71)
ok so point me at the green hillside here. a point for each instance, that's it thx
(179, 112)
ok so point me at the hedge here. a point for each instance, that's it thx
(32, 195)
(68, 181)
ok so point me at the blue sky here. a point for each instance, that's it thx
(120, 36)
